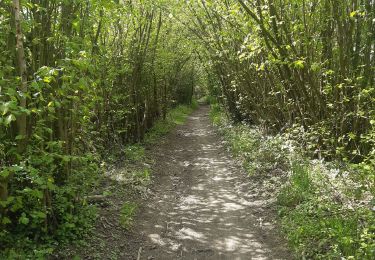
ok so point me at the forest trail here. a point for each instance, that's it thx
(202, 206)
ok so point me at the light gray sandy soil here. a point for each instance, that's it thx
(202, 205)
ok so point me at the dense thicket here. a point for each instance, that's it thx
(296, 64)
(77, 79)
(80, 78)
(302, 73)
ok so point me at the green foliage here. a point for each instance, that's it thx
(141, 177)
(320, 227)
(325, 210)
(326, 216)
(96, 82)
(281, 63)
(178, 115)
(216, 115)
(259, 154)
(159, 129)
(100, 74)
(128, 212)
(135, 153)
(285, 68)
(321, 230)
(299, 189)
(174, 117)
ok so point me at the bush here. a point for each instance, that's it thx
(325, 209)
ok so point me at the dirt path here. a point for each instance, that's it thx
(202, 205)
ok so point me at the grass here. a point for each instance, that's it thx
(318, 222)
(258, 153)
(299, 188)
(321, 212)
(128, 211)
(142, 177)
(175, 116)
(134, 152)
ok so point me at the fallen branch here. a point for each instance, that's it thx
(139, 253)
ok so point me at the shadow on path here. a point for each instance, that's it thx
(202, 205)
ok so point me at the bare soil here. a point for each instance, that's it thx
(201, 205)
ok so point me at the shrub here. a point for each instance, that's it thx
(128, 211)
(326, 210)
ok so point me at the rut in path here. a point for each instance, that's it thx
(202, 205)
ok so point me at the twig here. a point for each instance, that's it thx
(139, 253)
(106, 221)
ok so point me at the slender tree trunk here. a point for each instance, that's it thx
(21, 120)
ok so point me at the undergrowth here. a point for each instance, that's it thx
(128, 212)
(326, 209)
(30, 238)
(77, 219)
(174, 117)
(134, 152)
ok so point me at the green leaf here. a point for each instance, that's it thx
(38, 194)
(315, 67)
(9, 119)
(39, 214)
(352, 136)
(51, 186)
(47, 79)
(6, 220)
(66, 158)
(299, 64)
(4, 173)
(5, 108)
(20, 137)
(23, 219)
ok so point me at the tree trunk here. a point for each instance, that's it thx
(21, 62)
(21, 119)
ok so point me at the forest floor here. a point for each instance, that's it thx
(200, 205)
